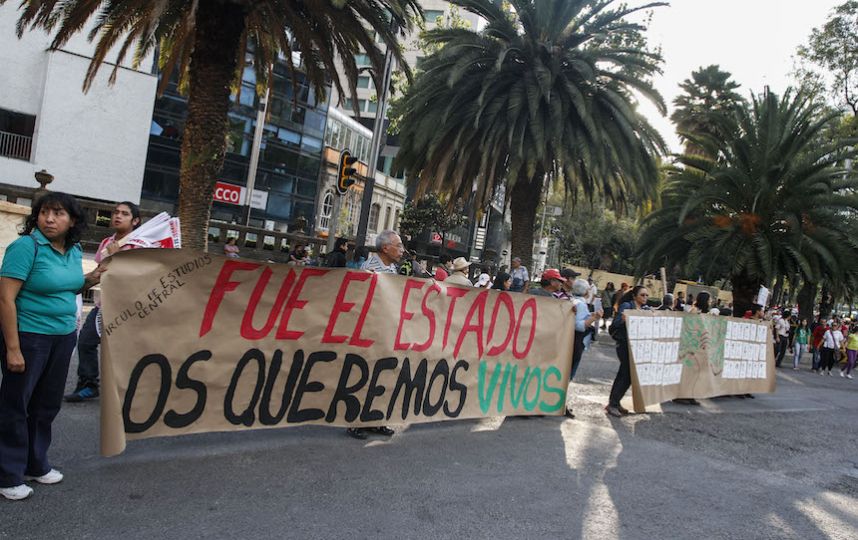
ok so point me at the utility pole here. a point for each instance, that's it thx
(254, 153)
(378, 134)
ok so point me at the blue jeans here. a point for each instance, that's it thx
(87, 352)
(29, 402)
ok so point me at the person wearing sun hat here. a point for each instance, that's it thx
(551, 282)
(459, 275)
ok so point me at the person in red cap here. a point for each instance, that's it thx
(551, 282)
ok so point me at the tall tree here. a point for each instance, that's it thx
(773, 202)
(830, 58)
(207, 43)
(709, 90)
(543, 90)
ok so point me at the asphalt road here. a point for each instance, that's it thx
(783, 465)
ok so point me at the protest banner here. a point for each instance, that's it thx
(194, 342)
(162, 231)
(693, 355)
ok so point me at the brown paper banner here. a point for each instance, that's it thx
(194, 342)
(684, 355)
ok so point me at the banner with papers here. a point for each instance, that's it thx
(685, 355)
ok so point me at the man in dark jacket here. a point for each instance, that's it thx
(337, 258)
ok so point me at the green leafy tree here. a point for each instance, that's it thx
(593, 236)
(542, 92)
(709, 90)
(772, 203)
(829, 61)
(430, 213)
(206, 43)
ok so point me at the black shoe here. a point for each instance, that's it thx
(623, 410)
(357, 433)
(84, 394)
(569, 413)
(382, 430)
(750, 396)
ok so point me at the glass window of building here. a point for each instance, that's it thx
(364, 81)
(387, 218)
(374, 211)
(326, 210)
(362, 60)
(16, 134)
(432, 15)
(396, 220)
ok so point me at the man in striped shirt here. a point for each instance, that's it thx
(388, 252)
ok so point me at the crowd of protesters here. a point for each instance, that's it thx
(42, 275)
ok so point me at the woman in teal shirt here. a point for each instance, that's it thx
(39, 280)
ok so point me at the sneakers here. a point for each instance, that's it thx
(849, 376)
(17, 493)
(51, 477)
(83, 394)
(829, 373)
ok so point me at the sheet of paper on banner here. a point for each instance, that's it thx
(194, 342)
(697, 356)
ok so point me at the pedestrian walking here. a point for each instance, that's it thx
(851, 352)
(636, 298)
(608, 302)
(584, 321)
(41, 277)
(802, 336)
(816, 339)
(781, 337)
(831, 341)
(125, 218)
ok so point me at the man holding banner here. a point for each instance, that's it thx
(389, 251)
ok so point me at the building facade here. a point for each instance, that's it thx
(94, 143)
(388, 199)
(290, 148)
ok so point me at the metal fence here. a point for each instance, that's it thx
(15, 146)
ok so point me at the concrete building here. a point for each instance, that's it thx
(94, 144)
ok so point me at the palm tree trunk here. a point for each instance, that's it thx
(826, 302)
(745, 289)
(806, 296)
(219, 26)
(524, 200)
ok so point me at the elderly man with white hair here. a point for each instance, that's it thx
(388, 252)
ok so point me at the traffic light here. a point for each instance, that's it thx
(345, 178)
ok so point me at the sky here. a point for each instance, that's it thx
(754, 40)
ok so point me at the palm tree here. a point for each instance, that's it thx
(772, 203)
(207, 42)
(709, 90)
(544, 90)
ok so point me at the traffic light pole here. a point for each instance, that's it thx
(378, 134)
